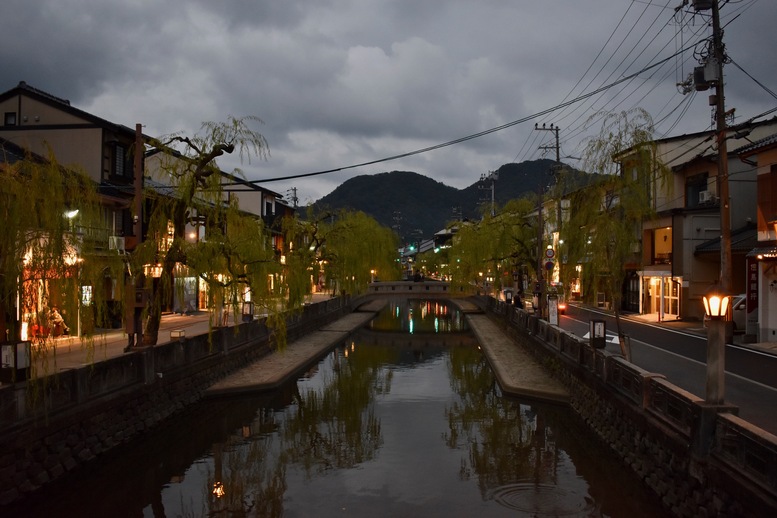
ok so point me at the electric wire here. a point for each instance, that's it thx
(571, 90)
(756, 81)
(460, 139)
(576, 130)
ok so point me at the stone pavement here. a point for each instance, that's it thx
(71, 352)
(517, 371)
(280, 366)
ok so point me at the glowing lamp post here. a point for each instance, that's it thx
(716, 309)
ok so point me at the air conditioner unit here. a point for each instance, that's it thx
(706, 196)
(116, 243)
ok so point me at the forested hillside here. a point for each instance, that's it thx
(418, 206)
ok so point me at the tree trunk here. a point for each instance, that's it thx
(151, 333)
(623, 341)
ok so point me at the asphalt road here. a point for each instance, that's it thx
(679, 353)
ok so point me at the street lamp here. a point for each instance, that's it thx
(716, 308)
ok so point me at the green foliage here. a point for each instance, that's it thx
(497, 245)
(425, 204)
(50, 252)
(343, 247)
(235, 258)
(609, 214)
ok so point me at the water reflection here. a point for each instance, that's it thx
(419, 316)
(389, 424)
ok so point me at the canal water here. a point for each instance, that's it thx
(403, 419)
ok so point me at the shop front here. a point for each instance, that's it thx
(660, 297)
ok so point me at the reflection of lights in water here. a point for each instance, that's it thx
(436, 325)
(218, 490)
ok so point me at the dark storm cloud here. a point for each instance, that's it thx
(342, 82)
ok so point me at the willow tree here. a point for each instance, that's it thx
(342, 249)
(610, 212)
(235, 257)
(49, 241)
(501, 245)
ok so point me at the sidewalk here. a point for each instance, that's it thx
(70, 352)
(697, 327)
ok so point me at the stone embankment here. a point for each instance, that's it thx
(275, 369)
(698, 459)
(59, 423)
(516, 370)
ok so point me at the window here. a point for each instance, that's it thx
(120, 160)
(662, 246)
(9, 119)
(694, 186)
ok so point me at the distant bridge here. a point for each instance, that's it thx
(437, 289)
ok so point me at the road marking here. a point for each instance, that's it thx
(686, 358)
(611, 338)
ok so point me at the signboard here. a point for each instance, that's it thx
(553, 310)
(548, 265)
(598, 334)
(751, 299)
(549, 253)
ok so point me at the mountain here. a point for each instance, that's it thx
(418, 206)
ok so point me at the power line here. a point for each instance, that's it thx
(466, 138)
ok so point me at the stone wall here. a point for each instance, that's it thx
(699, 460)
(55, 425)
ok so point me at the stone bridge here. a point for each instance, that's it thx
(427, 288)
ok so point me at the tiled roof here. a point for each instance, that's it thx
(758, 144)
(24, 86)
(742, 240)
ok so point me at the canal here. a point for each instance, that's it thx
(404, 418)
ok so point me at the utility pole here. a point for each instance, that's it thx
(710, 73)
(719, 332)
(540, 274)
(135, 295)
(137, 221)
(555, 130)
(292, 194)
(719, 56)
(492, 176)
(555, 170)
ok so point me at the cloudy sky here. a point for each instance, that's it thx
(339, 83)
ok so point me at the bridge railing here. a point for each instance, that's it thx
(411, 288)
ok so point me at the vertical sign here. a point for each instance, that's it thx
(598, 334)
(553, 310)
(751, 297)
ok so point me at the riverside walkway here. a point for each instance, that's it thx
(517, 372)
(280, 366)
